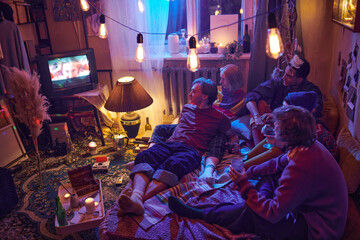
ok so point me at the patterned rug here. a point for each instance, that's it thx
(33, 217)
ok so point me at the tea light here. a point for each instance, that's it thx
(67, 195)
(92, 148)
(96, 204)
(90, 205)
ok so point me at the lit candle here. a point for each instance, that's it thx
(92, 148)
(96, 204)
(220, 48)
(67, 195)
(90, 205)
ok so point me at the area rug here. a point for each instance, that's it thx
(33, 217)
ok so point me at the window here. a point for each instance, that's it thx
(194, 15)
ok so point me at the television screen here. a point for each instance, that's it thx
(69, 71)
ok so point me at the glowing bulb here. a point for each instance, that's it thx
(84, 5)
(193, 62)
(241, 11)
(274, 46)
(141, 6)
(139, 55)
(102, 29)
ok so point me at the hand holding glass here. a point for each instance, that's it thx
(268, 131)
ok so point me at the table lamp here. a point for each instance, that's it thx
(128, 96)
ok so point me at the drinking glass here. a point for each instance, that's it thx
(268, 131)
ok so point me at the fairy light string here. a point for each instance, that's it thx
(196, 34)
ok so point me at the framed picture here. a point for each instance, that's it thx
(347, 14)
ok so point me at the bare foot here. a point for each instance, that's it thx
(130, 205)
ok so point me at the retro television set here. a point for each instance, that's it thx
(67, 73)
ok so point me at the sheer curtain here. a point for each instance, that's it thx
(122, 44)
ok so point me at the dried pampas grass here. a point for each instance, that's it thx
(30, 106)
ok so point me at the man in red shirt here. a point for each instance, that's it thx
(164, 164)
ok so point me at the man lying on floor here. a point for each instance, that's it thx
(164, 164)
(301, 194)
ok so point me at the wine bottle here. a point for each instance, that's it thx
(60, 213)
(148, 125)
(246, 40)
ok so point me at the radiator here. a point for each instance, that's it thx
(177, 85)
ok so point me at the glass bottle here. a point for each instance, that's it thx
(182, 42)
(246, 40)
(60, 213)
(148, 125)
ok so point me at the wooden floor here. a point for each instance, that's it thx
(352, 230)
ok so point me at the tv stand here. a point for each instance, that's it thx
(71, 111)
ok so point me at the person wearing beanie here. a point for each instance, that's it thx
(306, 100)
(270, 94)
(291, 199)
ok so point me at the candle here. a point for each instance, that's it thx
(173, 43)
(67, 195)
(92, 148)
(96, 204)
(90, 205)
(220, 48)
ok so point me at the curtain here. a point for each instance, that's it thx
(261, 66)
(122, 44)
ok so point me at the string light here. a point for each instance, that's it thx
(102, 29)
(193, 62)
(274, 46)
(139, 55)
(84, 5)
(141, 6)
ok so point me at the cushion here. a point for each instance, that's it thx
(349, 159)
(242, 127)
(330, 114)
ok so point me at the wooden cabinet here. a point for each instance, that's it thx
(347, 13)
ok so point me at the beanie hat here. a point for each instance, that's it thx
(306, 100)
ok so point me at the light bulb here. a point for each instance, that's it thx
(139, 55)
(84, 5)
(274, 46)
(193, 62)
(102, 29)
(141, 6)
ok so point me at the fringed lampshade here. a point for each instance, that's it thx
(128, 96)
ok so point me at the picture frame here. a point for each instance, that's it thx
(347, 14)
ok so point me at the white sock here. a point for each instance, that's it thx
(137, 194)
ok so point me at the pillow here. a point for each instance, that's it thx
(349, 159)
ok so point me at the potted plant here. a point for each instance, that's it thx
(233, 51)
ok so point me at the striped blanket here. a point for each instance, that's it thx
(158, 216)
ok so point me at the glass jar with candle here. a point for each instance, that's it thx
(92, 148)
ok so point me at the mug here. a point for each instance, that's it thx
(119, 141)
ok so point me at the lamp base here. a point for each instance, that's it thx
(131, 123)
